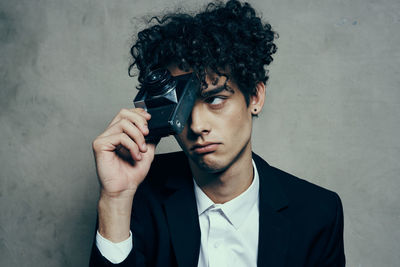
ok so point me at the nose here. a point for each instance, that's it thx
(199, 123)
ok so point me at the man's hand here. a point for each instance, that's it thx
(122, 156)
(123, 160)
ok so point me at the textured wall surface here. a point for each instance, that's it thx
(332, 116)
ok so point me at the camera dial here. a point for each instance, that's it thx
(158, 82)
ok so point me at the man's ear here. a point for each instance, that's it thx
(257, 99)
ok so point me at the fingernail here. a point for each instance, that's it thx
(144, 146)
(139, 156)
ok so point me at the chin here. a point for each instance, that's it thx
(209, 164)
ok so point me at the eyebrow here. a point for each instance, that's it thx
(216, 91)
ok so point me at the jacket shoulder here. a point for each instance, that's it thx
(300, 188)
(301, 194)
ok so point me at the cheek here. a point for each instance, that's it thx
(235, 123)
(239, 118)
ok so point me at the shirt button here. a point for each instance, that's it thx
(216, 244)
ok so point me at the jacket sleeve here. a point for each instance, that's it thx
(333, 255)
(140, 223)
(97, 260)
(134, 259)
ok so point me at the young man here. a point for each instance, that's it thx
(216, 203)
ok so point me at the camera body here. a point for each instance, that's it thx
(169, 100)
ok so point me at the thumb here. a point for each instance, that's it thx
(149, 154)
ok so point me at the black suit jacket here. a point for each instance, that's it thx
(300, 224)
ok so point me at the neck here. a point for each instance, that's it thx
(229, 183)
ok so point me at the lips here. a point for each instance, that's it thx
(205, 148)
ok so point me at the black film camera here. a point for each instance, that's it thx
(169, 100)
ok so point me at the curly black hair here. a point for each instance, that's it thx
(230, 39)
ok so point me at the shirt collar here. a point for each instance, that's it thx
(237, 209)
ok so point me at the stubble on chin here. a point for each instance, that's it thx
(203, 164)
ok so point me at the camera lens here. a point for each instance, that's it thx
(158, 82)
(155, 76)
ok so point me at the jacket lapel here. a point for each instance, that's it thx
(183, 223)
(274, 227)
(182, 218)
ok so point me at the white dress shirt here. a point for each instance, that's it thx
(229, 231)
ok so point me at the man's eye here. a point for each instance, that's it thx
(215, 100)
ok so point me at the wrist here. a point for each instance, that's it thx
(114, 215)
(116, 197)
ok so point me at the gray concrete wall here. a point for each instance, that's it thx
(331, 116)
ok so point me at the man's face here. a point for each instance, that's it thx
(218, 130)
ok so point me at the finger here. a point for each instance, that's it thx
(114, 142)
(136, 118)
(120, 115)
(150, 150)
(132, 118)
(144, 113)
(139, 116)
(127, 127)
